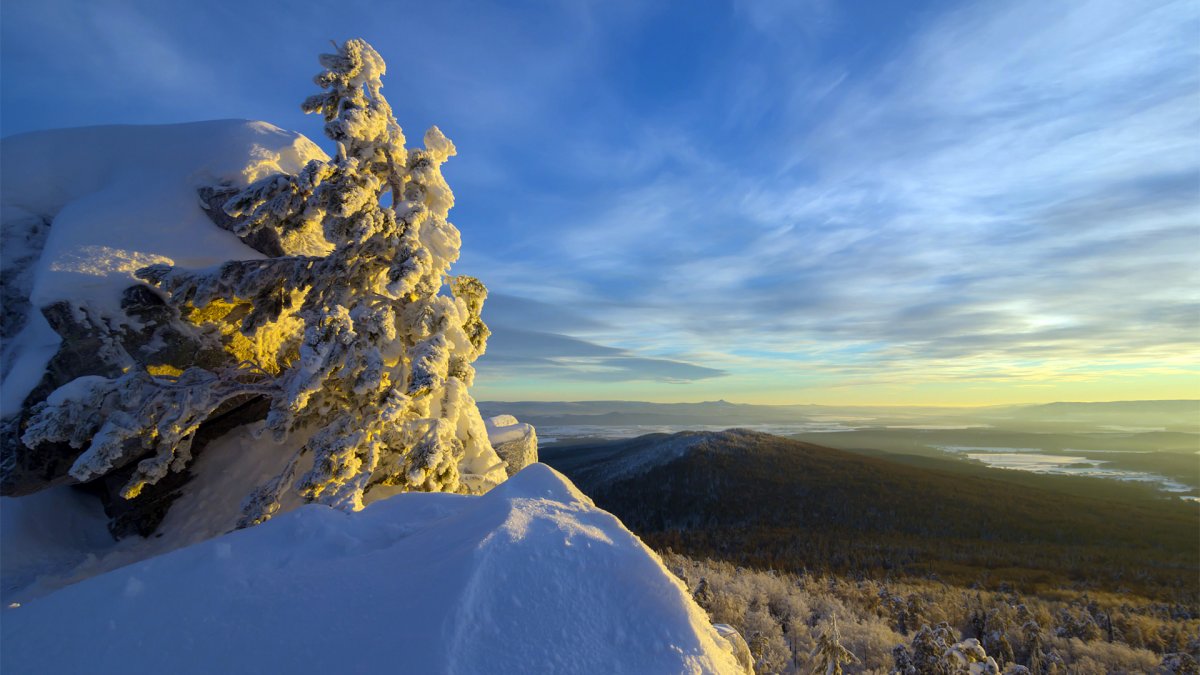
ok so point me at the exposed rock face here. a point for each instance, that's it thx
(265, 241)
(155, 339)
(80, 213)
(143, 514)
(516, 443)
(92, 345)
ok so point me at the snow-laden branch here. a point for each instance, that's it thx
(121, 418)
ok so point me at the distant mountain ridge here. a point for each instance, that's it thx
(1114, 412)
(1183, 414)
(636, 413)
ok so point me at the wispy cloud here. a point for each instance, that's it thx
(760, 195)
(1019, 183)
(516, 352)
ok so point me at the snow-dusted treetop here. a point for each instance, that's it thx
(358, 347)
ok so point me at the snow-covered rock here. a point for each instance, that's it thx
(115, 198)
(515, 442)
(83, 209)
(352, 331)
(741, 650)
(529, 578)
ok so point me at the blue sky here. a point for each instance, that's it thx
(875, 202)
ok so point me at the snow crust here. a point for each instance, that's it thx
(120, 198)
(530, 577)
(47, 537)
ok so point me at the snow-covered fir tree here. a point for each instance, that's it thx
(829, 654)
(936, 652)
(1034, 641)
(359, 348)
(902, 662)
(995, 637)
(1179, 664)
(929, 645)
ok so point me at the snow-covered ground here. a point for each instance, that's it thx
(529, 578)
(59, 536)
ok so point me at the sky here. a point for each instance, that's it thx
(763, 201)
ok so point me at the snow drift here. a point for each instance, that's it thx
(530, 577)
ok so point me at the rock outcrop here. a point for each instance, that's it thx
(65, 281)
(515, 442)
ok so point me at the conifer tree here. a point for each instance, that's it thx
(928, 647)
(1004, 650)
(829, 654)
(380, 365)
(703, 595)
(1032, 633)
(902, 661)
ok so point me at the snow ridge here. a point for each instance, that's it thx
(530, 577)
(652, 453)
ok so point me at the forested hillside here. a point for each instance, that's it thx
(775, 503)
(901, 558)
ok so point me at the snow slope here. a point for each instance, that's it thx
(119, 198)
(59, 536)
(528, 578)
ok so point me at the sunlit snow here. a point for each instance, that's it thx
(528, 578)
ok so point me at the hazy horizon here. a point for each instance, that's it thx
(839, 405)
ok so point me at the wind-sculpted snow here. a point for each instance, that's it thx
(529, 578)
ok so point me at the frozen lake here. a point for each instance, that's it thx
(1036, 461)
